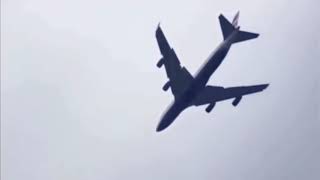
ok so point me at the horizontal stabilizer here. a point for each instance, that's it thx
(243, 36)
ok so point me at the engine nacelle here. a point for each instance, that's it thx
(166, 86)
(210, 107)
(160, 63)
(236, 101)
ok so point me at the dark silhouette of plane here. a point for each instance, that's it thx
(193, 91)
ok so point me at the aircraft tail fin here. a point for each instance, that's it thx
(227, 29)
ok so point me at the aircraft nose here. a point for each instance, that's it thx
(161, 126)
(165, 121)
(169, 117)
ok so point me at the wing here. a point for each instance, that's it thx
(179, 77)
(212, 94)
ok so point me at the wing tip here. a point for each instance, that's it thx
(264, 86)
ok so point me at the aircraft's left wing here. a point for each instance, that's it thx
(179, 77)
(212, 94)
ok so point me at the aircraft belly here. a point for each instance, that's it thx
(211, 66)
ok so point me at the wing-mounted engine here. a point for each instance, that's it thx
(236, 101)
(166, 86)
(210, 107)
(160, 63)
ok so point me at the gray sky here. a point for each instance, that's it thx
(81, 95)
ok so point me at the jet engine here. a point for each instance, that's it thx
(160, 63)
(166, 86)
(236, 101)
(210, 107)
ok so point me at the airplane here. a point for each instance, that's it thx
(191, 90)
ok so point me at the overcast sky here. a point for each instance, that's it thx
(81, 95)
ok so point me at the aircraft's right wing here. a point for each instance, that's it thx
(212, 94)
(179, 77)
